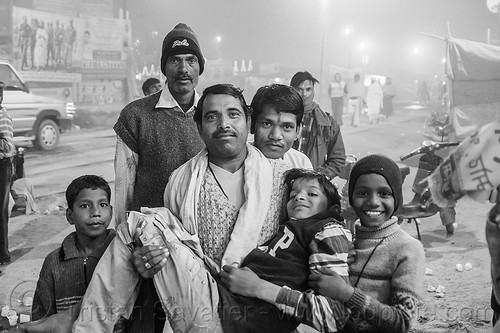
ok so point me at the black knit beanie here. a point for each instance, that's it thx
(385, 167)
(181, 40)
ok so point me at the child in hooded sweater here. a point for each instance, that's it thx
(387, 274)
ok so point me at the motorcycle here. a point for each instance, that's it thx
(430, 155)
(438, 127)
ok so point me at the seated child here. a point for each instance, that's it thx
(314, 239)
(387, 273)
(67, 271)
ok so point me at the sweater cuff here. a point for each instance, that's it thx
(358, 300)
(288, 300)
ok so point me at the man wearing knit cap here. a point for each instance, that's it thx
(321, 139)
(155, 135)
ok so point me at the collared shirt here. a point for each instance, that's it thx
(7, 147)
(126, 160)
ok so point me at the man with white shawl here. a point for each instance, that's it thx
(222, 203)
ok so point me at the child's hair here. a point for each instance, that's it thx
(93, 182)
(383, 166)
(326, 186)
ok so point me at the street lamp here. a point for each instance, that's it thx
(218, 38)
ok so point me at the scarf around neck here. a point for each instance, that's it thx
(312, 112)
(183, 191)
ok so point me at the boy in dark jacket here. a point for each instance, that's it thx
(66, 272)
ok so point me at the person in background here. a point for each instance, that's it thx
(151, 86)
(493, 240)
(277, 112)
(156, 135)
(389, 93)
(7, 152)
(337, 91)
(320, 139)
(356, 93)
(374, 98)
(67, 271)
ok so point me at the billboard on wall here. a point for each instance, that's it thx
(53, 43)
(76, 7)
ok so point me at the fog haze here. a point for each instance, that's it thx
(290, 32)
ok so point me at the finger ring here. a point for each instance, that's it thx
(144, 258)
(147, 265)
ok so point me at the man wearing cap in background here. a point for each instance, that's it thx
(155, 135)
(321, 139)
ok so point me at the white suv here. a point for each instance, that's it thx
(36, 118)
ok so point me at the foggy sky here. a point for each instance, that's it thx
(290, 32)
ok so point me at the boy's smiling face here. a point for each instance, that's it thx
(91, 213)
(372, 200)
(306, 199)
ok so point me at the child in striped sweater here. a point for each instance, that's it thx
(314, 239)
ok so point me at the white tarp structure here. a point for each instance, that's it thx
(473, 70)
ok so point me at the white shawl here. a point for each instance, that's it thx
(183, 191)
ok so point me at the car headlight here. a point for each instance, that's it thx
(70, 109)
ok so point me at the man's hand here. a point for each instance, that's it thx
(149, 260)
(332, 286)
(240, 280)
(61, 322)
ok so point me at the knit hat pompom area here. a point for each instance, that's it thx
(181, 40)
(383, 166)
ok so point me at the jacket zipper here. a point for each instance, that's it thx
(85, 271)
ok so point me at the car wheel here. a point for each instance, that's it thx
(47, 136)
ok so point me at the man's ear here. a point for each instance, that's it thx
(299, 132)
(69, 218)
(249, 123)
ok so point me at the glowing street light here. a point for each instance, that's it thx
(218, 38)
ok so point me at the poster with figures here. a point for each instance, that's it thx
(52, 42)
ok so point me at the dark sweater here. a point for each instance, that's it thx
(64, 276)
(164, 139)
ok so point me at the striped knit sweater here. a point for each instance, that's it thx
(319, 243)
(7, 148)
(385, 298)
